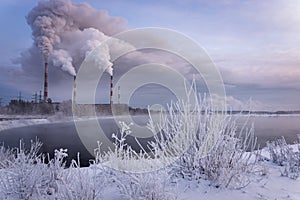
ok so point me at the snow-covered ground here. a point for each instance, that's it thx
(267, 186)
(21, 122)
(271, 186)
(14, 121)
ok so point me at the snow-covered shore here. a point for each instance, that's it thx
(271, 185)
(266, 184)
(15, 121)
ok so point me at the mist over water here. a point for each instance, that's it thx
(270, 128)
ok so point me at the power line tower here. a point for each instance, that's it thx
(35, 97)
(20, 96)
(1, 102)
(40, 97)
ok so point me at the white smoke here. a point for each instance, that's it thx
(44, 35)
(81, 43)
(66, 33)
(62, 58)
(101, 57)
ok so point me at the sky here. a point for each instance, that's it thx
(255, 45)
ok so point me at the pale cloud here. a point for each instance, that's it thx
(254, 43)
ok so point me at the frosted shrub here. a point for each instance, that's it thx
(150, 185)
(75, 183)
(80, 183)
(292, 168)
(279, 151)
(175, 132)
(56, 168)
(6, 157)
(144, 186)
(193, 139)
(205, 143)
(228, 164)
(122, 156)
(27, 177)
(284, 155)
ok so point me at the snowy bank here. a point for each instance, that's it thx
(15, 121)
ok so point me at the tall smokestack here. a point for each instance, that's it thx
(111, 90)
(119, 94)
(46, 81)
(74, 90)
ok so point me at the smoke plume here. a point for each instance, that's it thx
(62, 58)
(101, 57)
(65, 33)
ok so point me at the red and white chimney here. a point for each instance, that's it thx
(74, 90)
(111, 90)
(46, 81)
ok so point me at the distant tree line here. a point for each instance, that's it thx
(25, 107)
(21, 107)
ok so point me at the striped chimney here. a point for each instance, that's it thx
(111, 90)
(74, 90)
(46, 81)
(119, 94)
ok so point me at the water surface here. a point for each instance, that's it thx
(64, 135)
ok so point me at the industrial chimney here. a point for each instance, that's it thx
(74, 90)
(111, 90)
(46, 81)
(119, 94)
